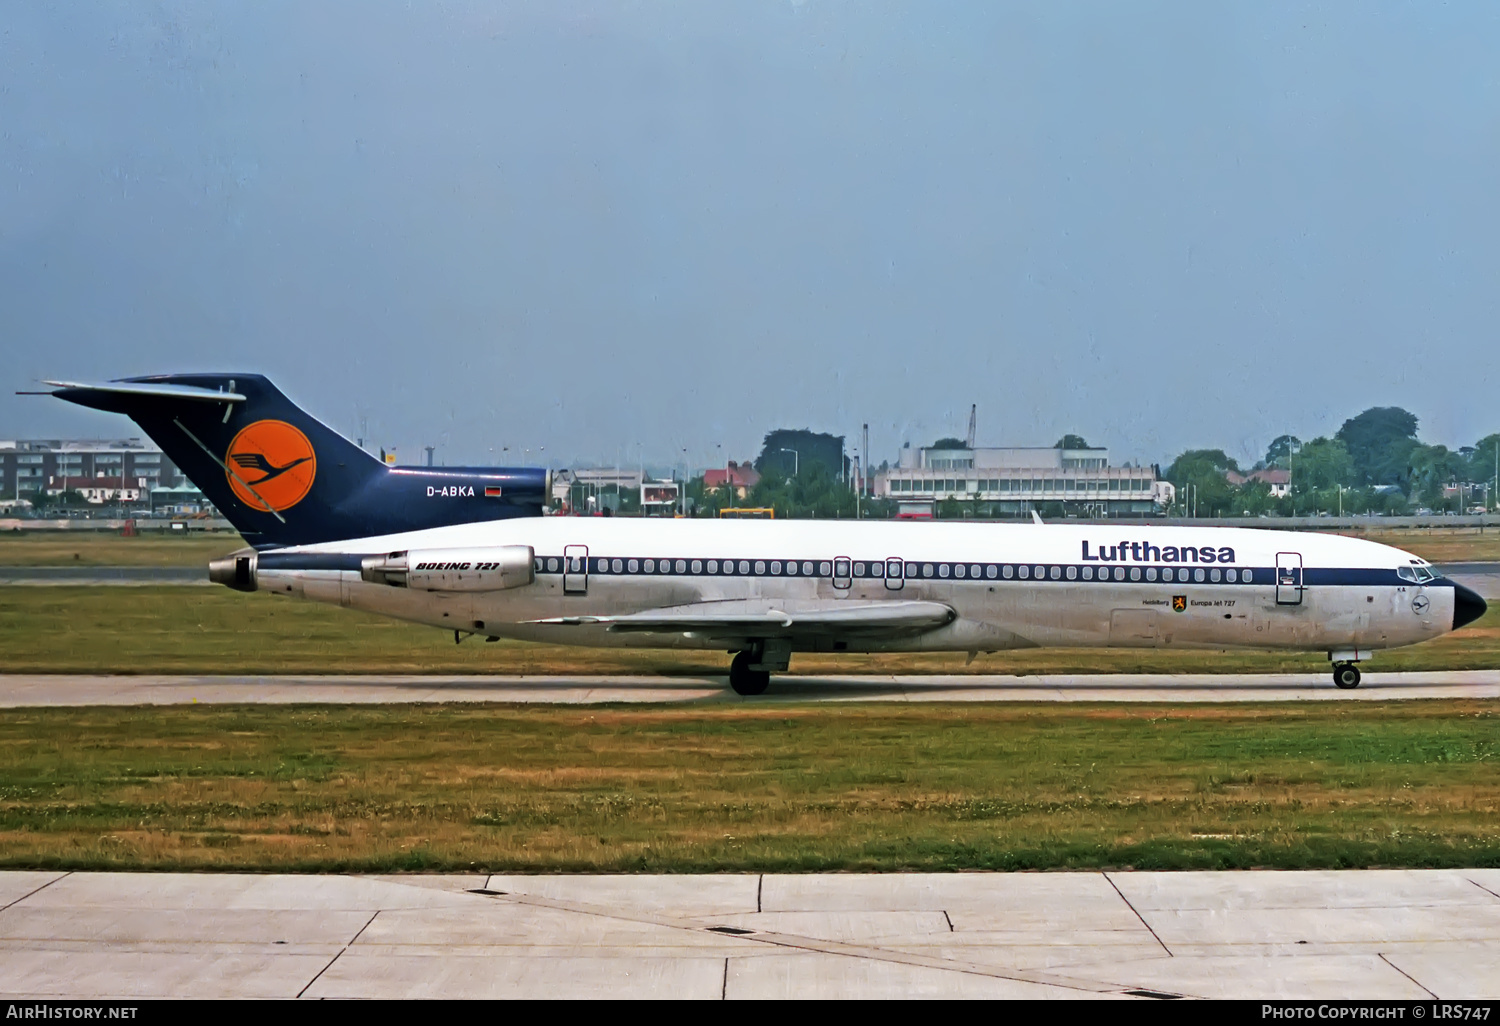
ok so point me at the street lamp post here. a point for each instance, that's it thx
(858, 462)
(729, 496)
(796, 461)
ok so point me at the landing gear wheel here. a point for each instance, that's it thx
(744, 680)
(1346, 676)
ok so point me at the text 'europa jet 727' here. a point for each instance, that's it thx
(466, 549)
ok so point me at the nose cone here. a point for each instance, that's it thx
(1467, 606)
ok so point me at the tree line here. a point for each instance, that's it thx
(1374, 463)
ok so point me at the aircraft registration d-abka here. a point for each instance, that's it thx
(467, 549)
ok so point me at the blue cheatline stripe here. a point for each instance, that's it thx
(957, 573)
(1033, 573)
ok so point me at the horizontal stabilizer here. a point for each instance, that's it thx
(158, 391)
(769, 619)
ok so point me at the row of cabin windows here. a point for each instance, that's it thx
(911, 571)
(1066, 484)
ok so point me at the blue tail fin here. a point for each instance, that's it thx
(282, 477)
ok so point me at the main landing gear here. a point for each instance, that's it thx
(1345, 675)
(744, 680)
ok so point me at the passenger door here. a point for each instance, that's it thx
(575, 569)
(1288, 578)
(895, 574)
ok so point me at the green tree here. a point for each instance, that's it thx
(1254, 498)
(811, 447)
(1072, 442)
(1430, 468)
(707, 502)
(814, 492)
(70, 497)
(1380, 441)
(949, 443)
(1322, 463)
(1281, 449)
(1200, 473)
(1200, 461)
(1482, 461)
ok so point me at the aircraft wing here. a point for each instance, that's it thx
(771, 619)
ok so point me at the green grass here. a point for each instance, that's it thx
(784, 788)
(214, 630)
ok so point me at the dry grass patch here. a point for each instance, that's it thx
(109, 548)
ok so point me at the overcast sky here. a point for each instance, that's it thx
(619, 230)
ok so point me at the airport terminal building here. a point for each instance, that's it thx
(1015, 481)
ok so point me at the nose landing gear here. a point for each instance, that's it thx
(1345, 676)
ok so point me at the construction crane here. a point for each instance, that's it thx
(973, 411)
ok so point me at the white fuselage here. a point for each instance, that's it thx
(1008, 586)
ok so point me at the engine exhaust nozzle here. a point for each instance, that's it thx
(236, 570)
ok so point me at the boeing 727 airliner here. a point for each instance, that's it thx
(467, 550)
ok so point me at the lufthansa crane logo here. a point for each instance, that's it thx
(270, 463)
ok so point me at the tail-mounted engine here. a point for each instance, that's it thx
(236, 570)
(490, 568)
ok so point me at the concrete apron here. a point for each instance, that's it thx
(1383, 934)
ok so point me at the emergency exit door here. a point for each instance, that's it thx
(1288, 578)
(575, 569)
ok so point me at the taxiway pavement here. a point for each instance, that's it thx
(19, 690)
(101, 576)
(1400, 935)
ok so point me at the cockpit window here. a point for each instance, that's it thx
(1417, 574)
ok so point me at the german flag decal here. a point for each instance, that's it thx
(492, 491)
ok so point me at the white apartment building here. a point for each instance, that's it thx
(1011, 481)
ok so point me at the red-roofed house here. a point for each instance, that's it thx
(1279, 480)
(95, 489)
(741, 478)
